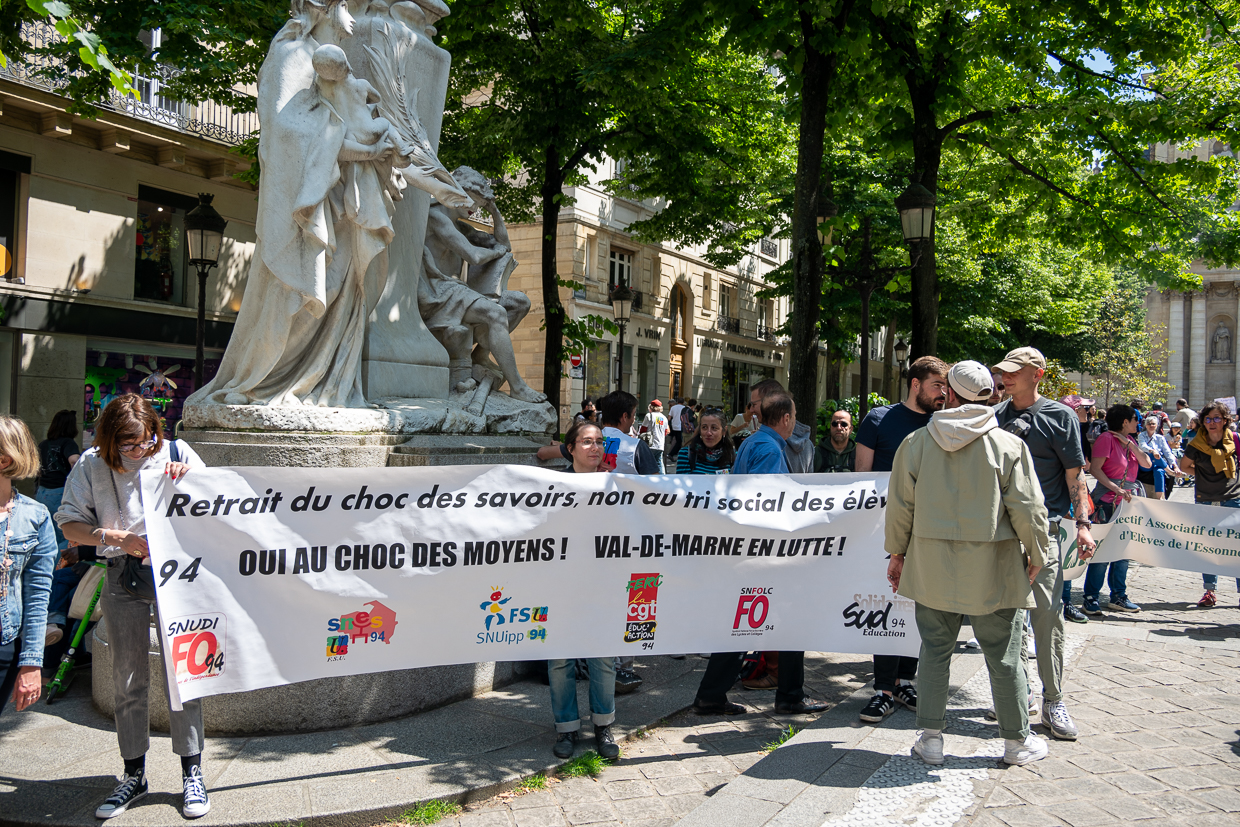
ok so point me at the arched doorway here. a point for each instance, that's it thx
(679, 345)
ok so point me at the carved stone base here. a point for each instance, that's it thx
(390, 379)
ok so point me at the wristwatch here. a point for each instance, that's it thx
(1084, 523)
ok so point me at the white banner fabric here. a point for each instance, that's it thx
(1172, 535)
(268, 576)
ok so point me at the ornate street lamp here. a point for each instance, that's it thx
(901, 353)
(204, 235)
(622, 309)
(916, 207)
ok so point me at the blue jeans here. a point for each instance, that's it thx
(1210, 581)
(1116, 574)
(1159, 470)
(51, 497)
(64, 583)
(562, 675)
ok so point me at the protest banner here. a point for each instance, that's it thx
(269, 576)
(1172, 535)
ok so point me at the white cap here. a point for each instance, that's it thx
(971, 381)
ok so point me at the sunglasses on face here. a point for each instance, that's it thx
(839, 424)
(1001, 388)
(1214, 420)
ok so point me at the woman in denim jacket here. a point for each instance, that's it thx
(27, 557)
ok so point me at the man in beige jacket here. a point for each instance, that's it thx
(963, 498)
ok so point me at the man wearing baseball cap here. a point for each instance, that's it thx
(1053, 435)
(967, 562)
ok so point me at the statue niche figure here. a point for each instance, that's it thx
(1220, 345)
(473, 318)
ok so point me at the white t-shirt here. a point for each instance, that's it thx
(674, 415)
(619, 455)
(656, 424)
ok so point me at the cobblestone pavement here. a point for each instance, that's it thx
(675, 767)
(1156, 696)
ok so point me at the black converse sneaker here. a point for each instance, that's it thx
(131, 788)
(195, 803)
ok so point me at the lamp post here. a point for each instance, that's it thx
(204, 235)
(900, 351)
(621, 308)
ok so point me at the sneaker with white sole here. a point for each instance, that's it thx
(131, 789)
(195, 803)
(1019, 753)
(930, 748)
(1055, 717)
(1035, 708)
(879, 707)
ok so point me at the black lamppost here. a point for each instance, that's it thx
(622, 309)
(900, 351)
(204, 235)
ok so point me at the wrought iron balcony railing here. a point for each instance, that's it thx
(208, 119)
(769, 248)
(766, 333)
(727, 324)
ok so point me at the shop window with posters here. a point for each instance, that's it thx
(159, 263)
(167, 381)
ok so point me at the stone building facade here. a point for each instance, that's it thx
(696, 330)
(1201, 336)
(95, 287)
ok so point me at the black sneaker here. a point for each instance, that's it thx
(131, 788)
(195, 803)
(627, 681)
(565, 745)
(1073, 614)
(907, 695)
(879, 707)
(605, 743)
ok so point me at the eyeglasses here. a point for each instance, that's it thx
(839, 424)
(130, 447)
(1214, 420)
(586, 443)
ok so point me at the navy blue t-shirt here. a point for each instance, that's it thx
(883, 429)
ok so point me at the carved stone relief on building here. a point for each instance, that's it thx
(1220, 343)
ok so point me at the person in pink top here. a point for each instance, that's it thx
(1116, 460)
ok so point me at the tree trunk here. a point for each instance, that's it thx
(553, 310)
(891, 380)
(927, 155)
(807, 263)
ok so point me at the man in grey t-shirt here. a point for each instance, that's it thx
(1053, 435)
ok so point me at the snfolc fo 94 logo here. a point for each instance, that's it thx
(752, 609)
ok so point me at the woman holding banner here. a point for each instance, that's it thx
(1211, 458)
(102, 506)
(1115, 463)
(586, 445)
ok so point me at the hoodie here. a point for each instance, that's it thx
(962, 499)
(799, 450)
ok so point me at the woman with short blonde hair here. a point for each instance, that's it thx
(27, 557)
(102, 506)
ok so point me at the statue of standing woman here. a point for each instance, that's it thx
(331, 174)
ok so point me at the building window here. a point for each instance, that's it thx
(160, 262)
(8, 223)
(707, 290)
(620, 269)
(679, 310)
(725, 299)
(598, 371)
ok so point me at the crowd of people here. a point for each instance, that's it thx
(964, 434)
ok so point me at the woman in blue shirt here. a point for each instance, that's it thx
(709, 452)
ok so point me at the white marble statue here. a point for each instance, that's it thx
(332, 172)
(473, 318)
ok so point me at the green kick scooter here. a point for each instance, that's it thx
(64, 677)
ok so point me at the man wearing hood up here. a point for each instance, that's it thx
(799, 446)
(963, 497)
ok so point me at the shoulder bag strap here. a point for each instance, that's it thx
(173, 451)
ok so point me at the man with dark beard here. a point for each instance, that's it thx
(880, 434)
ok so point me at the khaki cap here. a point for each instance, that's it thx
(1017, 359)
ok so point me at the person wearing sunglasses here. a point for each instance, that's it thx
(837, 453)
(1211, 458)
(102, 506)
(997, 389)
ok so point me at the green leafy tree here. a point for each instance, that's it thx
(542, 90)
(1127, 357)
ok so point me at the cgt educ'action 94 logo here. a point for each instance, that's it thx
(197, 644)
(640, 621)
(375, 626)
(499, 614)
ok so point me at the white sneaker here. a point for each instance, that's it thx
(1019, 753)
(1055, 717)
(52, 634)
(930, 748)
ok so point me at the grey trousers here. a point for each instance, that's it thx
(129, 638)
(1000, 635)
(1047, 622)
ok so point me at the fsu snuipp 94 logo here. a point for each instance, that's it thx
(640, 619)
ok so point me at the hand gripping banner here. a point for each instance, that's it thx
(268, 576)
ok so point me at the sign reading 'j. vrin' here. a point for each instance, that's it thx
(268, 576)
